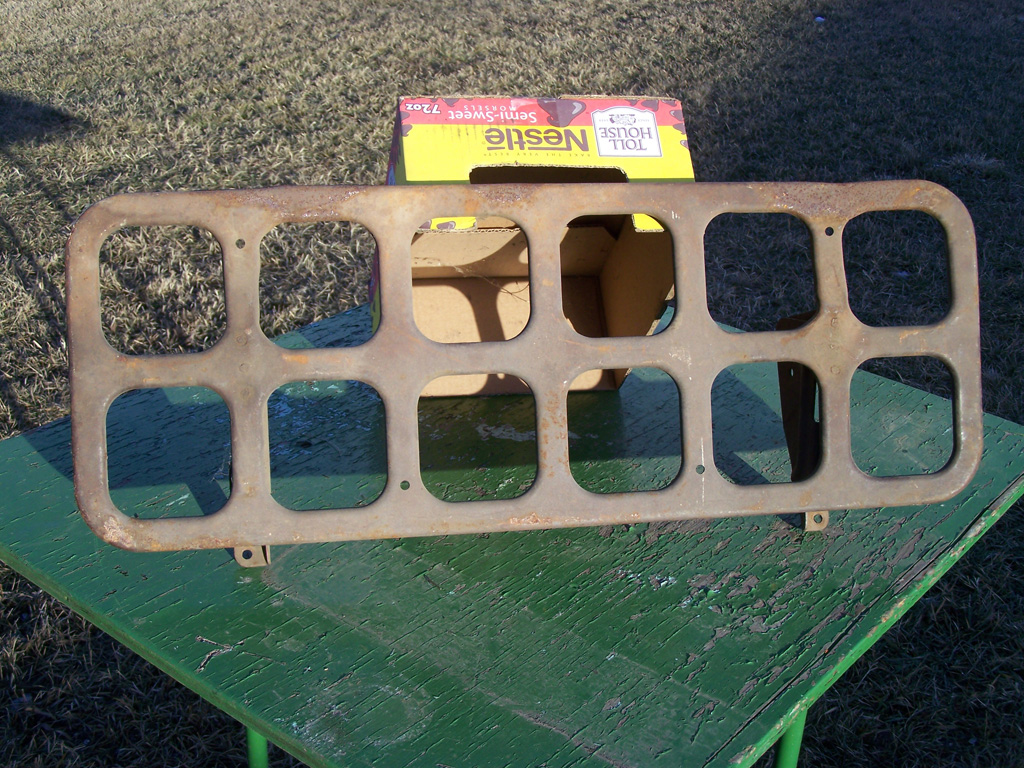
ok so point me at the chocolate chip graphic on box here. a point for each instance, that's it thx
(402, 117)
(561, 111)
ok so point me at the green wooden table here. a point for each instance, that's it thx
(695, 644)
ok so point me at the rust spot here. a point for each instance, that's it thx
(115, 533)
(532, 520)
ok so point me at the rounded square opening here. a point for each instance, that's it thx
(309, 275)
(162, 290)
(328, 448)
(759, 269)
(897, 268)
(477, 448)
(618, 273)
(545, 174)
(470, 279)
(629, 439)
(169, 452)
(901, 419)
(765, 423)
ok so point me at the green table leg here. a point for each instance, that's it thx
(788, 749)
(257, 745)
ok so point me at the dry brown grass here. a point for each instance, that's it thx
(105, 96)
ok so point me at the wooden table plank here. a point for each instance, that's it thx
(654, 645)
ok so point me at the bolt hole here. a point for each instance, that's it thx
(404, 485)
(818, 519)
(239, 243)
(700, 469)
(829, 231)
(247, 554)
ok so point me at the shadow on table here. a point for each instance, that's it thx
(169, 450)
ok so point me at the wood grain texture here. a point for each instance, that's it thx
(662, 644)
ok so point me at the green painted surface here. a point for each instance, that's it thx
(671, 644)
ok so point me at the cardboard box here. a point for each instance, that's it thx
(471, 276)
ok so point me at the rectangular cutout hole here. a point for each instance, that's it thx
(478, 448)
(169, 452)
(470, 279)
(751, 420)
(628, 440)
(309, 273)
(897, 268)
(162, 290)
(545, 174)
(618, 272)
(908, 433)
(327, 445)
(759, 269)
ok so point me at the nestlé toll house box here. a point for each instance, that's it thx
(471, 276)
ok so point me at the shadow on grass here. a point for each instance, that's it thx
(23, 121)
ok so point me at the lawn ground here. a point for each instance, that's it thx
(99, 97)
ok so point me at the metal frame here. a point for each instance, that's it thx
(245, 367)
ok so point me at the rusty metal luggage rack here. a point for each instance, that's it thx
(245, 367)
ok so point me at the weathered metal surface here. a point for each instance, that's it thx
(245, 367)
(252, 557)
